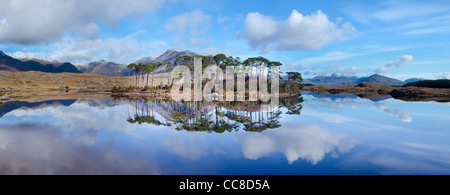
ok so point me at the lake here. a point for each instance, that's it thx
(314, 134)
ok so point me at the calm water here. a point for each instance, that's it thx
(319, 134)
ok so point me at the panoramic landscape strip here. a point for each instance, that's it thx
(224, 94)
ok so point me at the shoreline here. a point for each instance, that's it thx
(373, 90)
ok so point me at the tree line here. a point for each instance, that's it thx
(221, 60)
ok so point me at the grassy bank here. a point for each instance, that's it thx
(39, 81)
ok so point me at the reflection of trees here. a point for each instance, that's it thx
(211, 117)
(293, 104)
(144, 113)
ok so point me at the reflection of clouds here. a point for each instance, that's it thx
(329, 117)
(79, 116)
(189, 146)
(36, 149)
(304, 141)
(403, 158)
(400, 114)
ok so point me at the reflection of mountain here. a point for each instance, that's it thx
(100, 103)
(344, 96)
(332, 97)
(13, 105)
(338, 101)
(296, 141)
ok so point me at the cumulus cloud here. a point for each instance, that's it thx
(443, 75)
(84, 50)
(195, 23)
(403, 61)
(298, 32)
(42, 21)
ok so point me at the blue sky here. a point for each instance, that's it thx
(401, 39)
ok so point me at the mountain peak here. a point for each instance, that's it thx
(2, 54)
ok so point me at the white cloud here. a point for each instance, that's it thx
(195, 23)
(81, 50)
(42, 21)
(298, 32)
(28, 55)
(443, 75)
(330, 56)
(201, 42)
(397, 10)
(403, 61)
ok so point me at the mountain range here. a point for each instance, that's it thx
(113, 69)
(105, 68)
(8, 63)
(341, 80)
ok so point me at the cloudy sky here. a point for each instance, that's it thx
(402, 39)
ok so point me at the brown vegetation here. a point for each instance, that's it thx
(39, 81)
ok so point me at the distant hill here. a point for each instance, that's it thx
(412, 80)
(342, 80)
(105, 68)
(444, 83)
(8, 63)
(382, 80)
(333, 80)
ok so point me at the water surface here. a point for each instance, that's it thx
(317, 134)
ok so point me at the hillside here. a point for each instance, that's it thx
(342, 80)
(333, 80)
(8, 63)
(382, 80)
(444, 83)
(105, 68)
